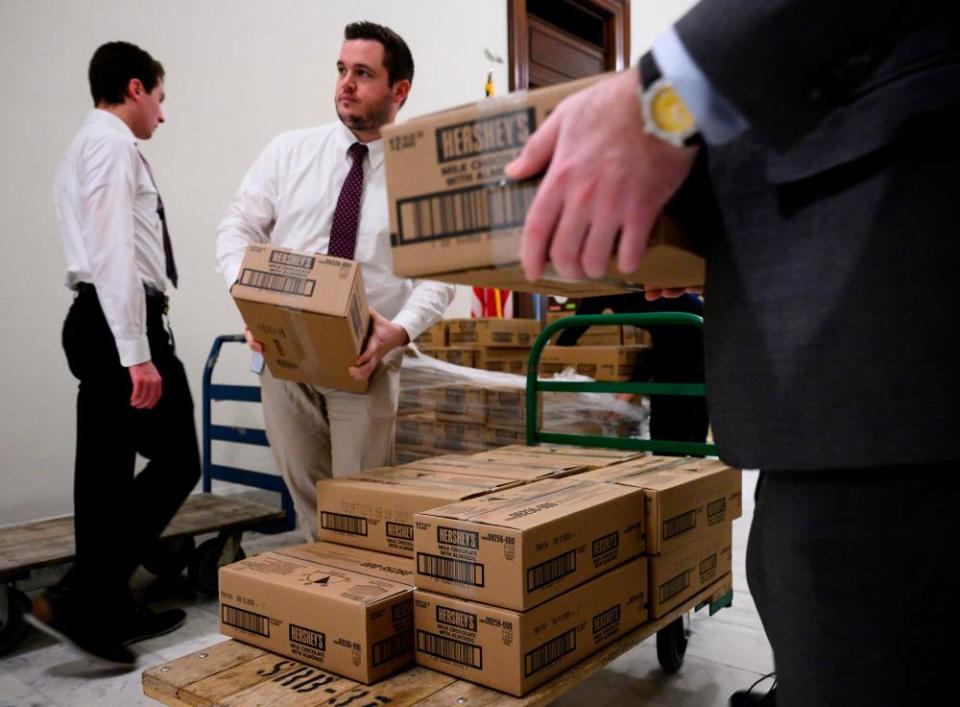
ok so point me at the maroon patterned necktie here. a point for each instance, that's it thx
(171, 266)
(343, 231)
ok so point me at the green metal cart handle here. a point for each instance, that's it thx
(534, 386)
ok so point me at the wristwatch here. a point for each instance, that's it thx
(665, 116)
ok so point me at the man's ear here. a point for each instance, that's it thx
(135, 89)
(401, 90)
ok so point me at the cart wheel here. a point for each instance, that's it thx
(170, 556)
(13, 627)
(209, 557)
(671, 646)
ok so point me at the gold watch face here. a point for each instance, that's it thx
(669, 112)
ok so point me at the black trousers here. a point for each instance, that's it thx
(119, 515)
(853, 576)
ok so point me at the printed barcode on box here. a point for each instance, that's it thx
(716, 510)
(708, 568)
(674, 586)
(551, 570)
(393, 647)
(352, 525)
(449, 649)
(277, 283)
(679, 524)
(355, 319)
(459, 571)
(550, 652)
(487, 207)
(246, 620)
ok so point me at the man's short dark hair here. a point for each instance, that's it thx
(112, 67)
(396, 54)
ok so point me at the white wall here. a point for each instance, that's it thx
(648, 18)
(238, 72)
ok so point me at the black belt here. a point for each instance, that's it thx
(149, 290)
(154, 296)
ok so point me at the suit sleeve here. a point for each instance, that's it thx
(785, 64)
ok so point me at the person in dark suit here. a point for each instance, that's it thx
(676, 357)
(832, 144)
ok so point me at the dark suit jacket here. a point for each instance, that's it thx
(833, 282)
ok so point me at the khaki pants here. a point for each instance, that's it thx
(318, 433)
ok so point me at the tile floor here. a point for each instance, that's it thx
(726, 652)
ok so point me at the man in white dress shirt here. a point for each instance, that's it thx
(324, 190)
(133, 396)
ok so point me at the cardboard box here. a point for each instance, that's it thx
(407, 455)
(636, 336)
(503, 436)
(459, 436)
(374, 509)
(457, 355)
(460, 403)
(507, 407)
(454, 217)
(502, 359)
(685, 496)
(677, 575)
(521, 546)
(493, 333)
(350, 622)
(414, 399)
(309, 311)
(516, 651)
(434, 335)
(457, 464)
(415, 430)
(602, 363)
(590, 457)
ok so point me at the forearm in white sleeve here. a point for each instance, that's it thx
(426, 305)
(108, 232)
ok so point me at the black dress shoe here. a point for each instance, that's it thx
(754, 698)
(146, 623)
(81, 627)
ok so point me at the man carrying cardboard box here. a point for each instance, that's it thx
(323, 190)
(833, 163)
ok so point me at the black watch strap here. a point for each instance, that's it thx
(649, 74)
(649, 71)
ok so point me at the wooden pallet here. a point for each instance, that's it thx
(233, 674)
(43, 543)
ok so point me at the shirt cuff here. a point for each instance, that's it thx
(411, 323)
(133, 351)
(717, 119)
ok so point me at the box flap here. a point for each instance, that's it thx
(316, 579)
(659, 473)
(369, 562)
(533, 505)
(408, 480)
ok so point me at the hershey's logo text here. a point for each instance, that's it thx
(504, 131)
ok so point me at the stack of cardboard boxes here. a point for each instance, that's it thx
(501, 345)
(690, 505)
(504, 568)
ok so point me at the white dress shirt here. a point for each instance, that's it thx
(288, 198)
(107, 215)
